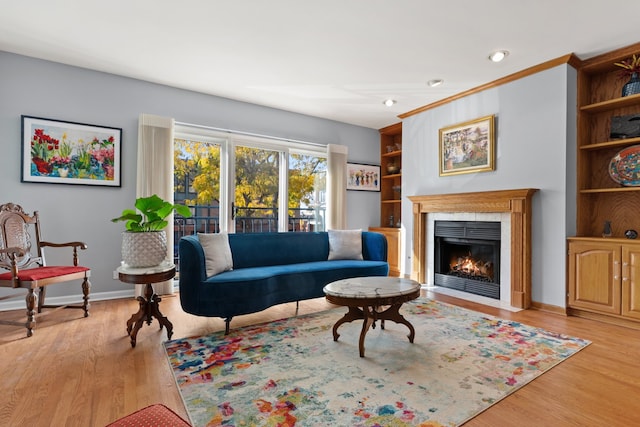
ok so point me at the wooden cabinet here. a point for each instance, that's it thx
(604, 276)
(603, 271)
(394, 248)
(594, 275)
(390, 195)
(631, 281)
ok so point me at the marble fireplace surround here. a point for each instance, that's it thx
(515, 202)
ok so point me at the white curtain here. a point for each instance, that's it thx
(155, 173)
(336, 187)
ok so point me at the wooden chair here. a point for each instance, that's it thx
(21, 253)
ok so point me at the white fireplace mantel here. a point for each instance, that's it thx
(515, 202)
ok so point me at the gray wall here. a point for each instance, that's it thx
(535, 148)
(44, 89)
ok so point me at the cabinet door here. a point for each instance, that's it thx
(393, 253)
(631, 282)
(394, 248)
(594, 276)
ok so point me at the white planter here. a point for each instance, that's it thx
(146, 249)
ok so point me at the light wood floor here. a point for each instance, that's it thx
(83, 372)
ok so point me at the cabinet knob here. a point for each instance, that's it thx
(625, 263)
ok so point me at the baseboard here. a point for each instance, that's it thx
(604, 318)
(548, 308)
(19, 303)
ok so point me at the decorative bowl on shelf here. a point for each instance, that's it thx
(624, 167)
(396, 191)
(392, 168)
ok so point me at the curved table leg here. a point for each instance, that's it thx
(155, 312)
(134, 333)
(354, 313)
(393, 314)
(140, 314)
(367, 323)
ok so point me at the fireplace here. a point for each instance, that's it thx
(467, 256)
(516, 204)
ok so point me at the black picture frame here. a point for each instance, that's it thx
(64, 152)
(363, 177)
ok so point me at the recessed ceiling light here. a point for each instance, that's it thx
(389, 102)
(435, 82)
(498, 55)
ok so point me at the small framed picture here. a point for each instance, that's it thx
(468, 147)
(363, 177)
(61, 152)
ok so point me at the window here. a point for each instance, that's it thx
(197, 184)
(307, 189)
(235, 182)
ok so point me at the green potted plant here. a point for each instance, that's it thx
(144, 243)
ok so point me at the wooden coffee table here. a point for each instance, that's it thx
(366, 298)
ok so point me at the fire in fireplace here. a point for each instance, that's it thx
(472, 268)
(467, 256)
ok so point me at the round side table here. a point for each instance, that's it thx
(149, 304)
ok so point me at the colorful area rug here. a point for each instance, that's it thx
(291, 373)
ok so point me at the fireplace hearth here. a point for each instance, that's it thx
(467, 256)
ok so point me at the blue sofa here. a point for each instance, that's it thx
(270, 269)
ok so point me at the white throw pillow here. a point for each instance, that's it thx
(217, 252)
(345, 244)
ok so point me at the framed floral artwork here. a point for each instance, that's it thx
(363, 177)
(468, 147)
(61, 152)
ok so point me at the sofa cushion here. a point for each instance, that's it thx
(301, 271)
(345, 244)
(217, 252)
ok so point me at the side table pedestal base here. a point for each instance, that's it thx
(150, 303)
(148, 310)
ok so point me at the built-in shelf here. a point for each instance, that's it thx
(390, 200)
(611, 104)
(391, 176)
(610, 190)
(611, 144)
(602, 273)
(392, 153)
(600, 198)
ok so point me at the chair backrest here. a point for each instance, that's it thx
(19, 230)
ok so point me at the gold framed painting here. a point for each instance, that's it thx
(468, 147)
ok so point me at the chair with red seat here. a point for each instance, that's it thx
(22, 254)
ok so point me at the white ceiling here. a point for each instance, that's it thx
(336, 59)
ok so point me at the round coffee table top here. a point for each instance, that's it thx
(371, 287)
